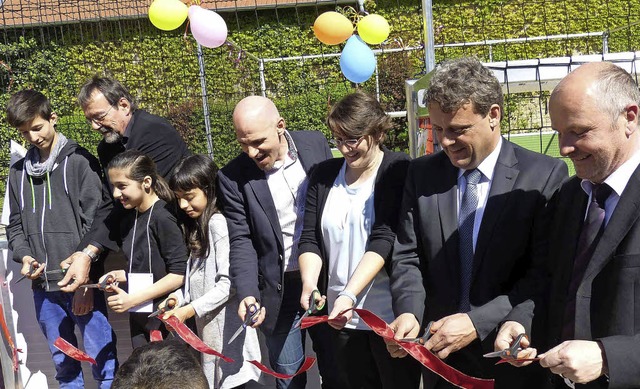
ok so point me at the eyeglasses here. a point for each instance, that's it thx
(99, 119)
(350, 143)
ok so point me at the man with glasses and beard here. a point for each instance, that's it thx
(110, 110)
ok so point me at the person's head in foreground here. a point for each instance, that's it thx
(169, 364)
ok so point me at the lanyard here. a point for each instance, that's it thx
(133, 238)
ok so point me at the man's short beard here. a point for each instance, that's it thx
(111, 136)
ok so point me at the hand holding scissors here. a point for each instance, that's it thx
(511, 353)
(251, 316)
(316, 303)
(168, 305)
(422, 339)
(33, 267)
(108, 281)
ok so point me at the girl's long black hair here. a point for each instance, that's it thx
(140, 165)
(197, 172)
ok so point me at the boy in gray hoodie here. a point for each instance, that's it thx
(54, 193)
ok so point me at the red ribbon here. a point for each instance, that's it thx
(155, 336)
(7, 336)
(306, 365)
(417, 351)
(194, 341)
(73, 352)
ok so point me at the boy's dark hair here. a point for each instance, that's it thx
(169, 364)
(112, 90)
(25, 106)
(197, 171)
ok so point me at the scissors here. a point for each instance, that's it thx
(313, 307)
(108, 281)
(508, 353)
(171, 303)
(250, 317)
(422, 339)
(32, 269)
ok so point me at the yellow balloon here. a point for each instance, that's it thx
(168, 14)
(332, 28)
(373, 29)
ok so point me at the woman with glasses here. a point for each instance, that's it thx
(350, 220)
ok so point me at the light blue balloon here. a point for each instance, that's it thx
(357, 61)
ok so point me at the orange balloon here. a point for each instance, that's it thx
(332, 28)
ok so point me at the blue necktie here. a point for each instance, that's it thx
(465, 231)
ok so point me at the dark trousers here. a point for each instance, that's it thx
(363, 358)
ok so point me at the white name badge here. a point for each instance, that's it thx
(139, 282)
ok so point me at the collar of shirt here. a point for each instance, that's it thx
(127, 130)
(617, 180)
(290, 158)
(487, 166)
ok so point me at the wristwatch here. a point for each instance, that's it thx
(92, 255)
(350, 295)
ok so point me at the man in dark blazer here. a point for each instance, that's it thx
(110, 110)
(433, 278)
(593, 311)
(263, 195)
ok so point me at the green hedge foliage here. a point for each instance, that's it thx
(161, 68)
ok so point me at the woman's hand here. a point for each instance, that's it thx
(336, 319)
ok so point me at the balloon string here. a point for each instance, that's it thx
(350, 13)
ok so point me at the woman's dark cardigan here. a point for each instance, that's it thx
(388, 191)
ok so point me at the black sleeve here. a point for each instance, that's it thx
(387, 200)
(171, 245)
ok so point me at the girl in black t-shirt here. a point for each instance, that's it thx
(150, 238)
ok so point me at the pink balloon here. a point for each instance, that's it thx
(209, 29)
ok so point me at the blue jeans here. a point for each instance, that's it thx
(53, 311)
(286, 344)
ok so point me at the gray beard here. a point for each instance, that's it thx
(111, 136)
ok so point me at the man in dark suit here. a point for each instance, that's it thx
(110, 110)
(592, 306)
(263, 195)
(473, 221)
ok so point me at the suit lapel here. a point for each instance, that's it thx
(565, 232)
(304, 150)
(504, 177)
(260, 188)
(624, 217)
(447, 199)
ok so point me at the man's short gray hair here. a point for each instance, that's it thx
(615, 89)
(461, 81)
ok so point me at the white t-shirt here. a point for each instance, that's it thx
(347, 220)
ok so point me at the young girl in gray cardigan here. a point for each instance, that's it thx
(207, 290)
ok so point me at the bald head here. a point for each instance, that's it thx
(254, 110)
(594, 109)
(259, 130)
(607, 86)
